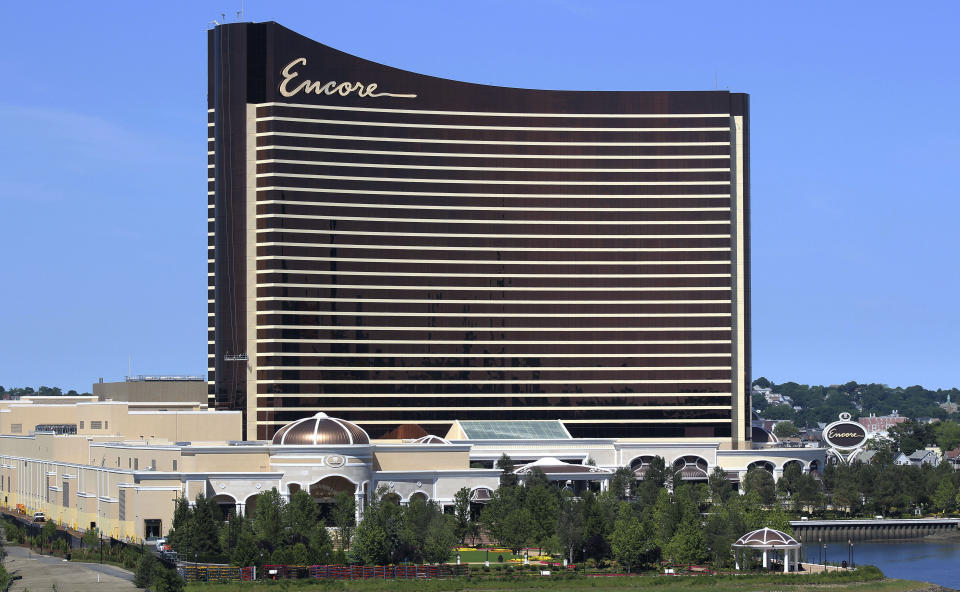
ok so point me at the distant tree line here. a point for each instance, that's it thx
(43, 391)
(823, 403)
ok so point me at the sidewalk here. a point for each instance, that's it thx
(42, 572)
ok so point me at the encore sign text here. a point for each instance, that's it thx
(329, 88)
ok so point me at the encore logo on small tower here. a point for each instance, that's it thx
(332, 87)
(845, 434)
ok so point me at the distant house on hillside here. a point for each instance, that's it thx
(926, 456)
(953, 457)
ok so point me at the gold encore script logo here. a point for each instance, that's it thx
(329, 88)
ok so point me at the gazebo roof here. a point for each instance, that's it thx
(766, 538)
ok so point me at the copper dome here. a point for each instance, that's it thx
(320, 430)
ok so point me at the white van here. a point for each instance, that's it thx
(39, 517)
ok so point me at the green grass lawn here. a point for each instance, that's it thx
(866, 581)
(481, 556)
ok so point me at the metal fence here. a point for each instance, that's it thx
(217, 573)
(361, 572)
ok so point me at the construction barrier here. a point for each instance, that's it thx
(363, 572)
(217, 573)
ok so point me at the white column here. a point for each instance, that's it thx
(765, 564)
(358, 504)
(604, 485)
(786, 561)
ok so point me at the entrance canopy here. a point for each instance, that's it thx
(558, 470)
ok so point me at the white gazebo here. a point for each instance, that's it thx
(768, 539)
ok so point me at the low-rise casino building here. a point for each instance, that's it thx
(121, 465)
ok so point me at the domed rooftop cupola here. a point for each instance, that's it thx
(320, 430)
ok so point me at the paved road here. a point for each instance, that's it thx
(42, 572)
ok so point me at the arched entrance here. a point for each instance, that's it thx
(761, 464)
(325, 492)
(227, 504)
(692, 468)
(418, 495)
(250, 506)
(640, 466)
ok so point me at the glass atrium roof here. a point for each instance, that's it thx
(510, 430)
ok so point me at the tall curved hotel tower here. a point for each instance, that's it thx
(394, 249)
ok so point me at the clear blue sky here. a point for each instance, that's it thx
(855, 140)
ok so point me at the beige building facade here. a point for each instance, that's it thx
(120, 466)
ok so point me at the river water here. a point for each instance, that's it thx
(937, 562)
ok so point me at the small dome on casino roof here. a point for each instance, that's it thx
(320, 430)
(430, 439)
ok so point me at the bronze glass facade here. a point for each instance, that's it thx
(393, 248)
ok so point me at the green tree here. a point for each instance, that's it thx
(944, 498)
(666, 517)
(205, 522)
(687, 545)
(720, 488)
(760, 481)
(570, 524)
(299, 555)
(505, 464)
(47, 532)
(321, 547)
(461, 512)
(370, 545)
(268, 519)
(517, 529)
(440, 538)
(725, 524)
(623, 483)
(762, 382)
(808, 494)
(180, 537)
(344, 517)
(230, 533)
(786, 429)
(152, 575)
(947, 434)
(778, 412)
(301, 517)
(244, 553)
(494, 514)
(628, 539)
(542, 503)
